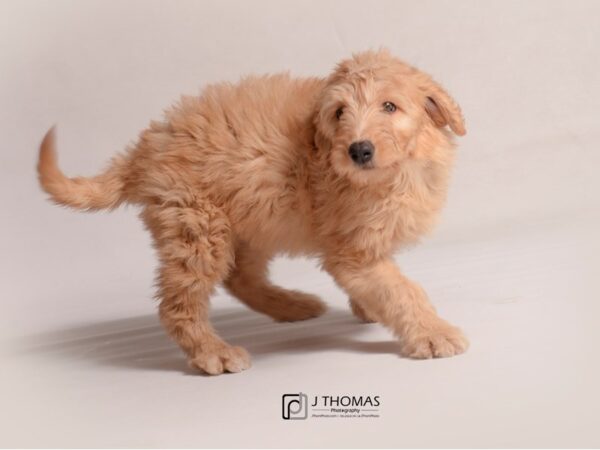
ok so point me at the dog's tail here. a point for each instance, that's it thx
(106, 190)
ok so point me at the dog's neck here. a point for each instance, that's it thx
(400, 207)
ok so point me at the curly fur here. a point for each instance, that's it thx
(243, 172)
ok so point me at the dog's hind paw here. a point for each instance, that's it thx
(221, 358)
(295, 306)
(440, 340)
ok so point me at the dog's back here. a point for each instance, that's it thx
(242, 146)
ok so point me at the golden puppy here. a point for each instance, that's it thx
(348, 168)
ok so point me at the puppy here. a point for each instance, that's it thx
(347, 168)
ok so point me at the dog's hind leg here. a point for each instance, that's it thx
(249, 282)
(193, 241)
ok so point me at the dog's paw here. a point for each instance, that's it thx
(437, 340)
(296, 306)
(360, 313)
(221, 358)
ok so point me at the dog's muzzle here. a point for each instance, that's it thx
(361, 152)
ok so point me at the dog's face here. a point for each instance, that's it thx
(374, 111)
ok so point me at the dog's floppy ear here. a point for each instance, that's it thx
(321, 142)
(442, 109)
(321, 126)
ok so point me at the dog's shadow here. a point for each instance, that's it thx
(141, 342)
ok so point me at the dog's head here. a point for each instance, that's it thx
(376, 111)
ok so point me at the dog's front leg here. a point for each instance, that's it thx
(390, 298)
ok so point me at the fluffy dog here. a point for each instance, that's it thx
(347, 168)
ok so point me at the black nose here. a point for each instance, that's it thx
(361, 152)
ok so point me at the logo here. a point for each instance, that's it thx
(294, 406)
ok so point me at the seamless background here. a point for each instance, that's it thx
(514, 261)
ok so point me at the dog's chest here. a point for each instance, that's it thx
(379, 222)
(396, 219)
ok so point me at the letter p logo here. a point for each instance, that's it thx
(294, 406)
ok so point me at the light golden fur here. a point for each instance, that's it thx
(246, 171)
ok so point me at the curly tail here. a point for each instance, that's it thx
(106, 190)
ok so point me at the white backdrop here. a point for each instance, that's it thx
(514, 260)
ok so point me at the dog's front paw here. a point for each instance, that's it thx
(437, 339)
(360, 313)
(220, 358)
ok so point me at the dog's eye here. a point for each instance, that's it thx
(389, 107)
(339, 112)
